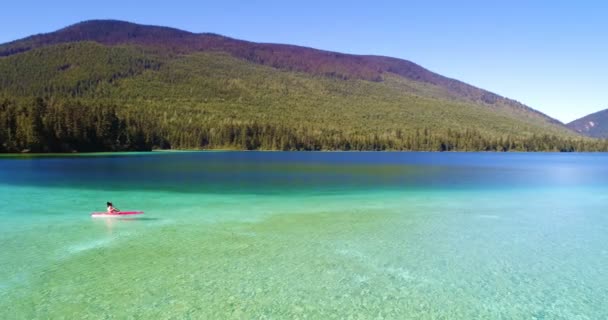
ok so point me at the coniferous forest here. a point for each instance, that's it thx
(128, 87)
(45, 126)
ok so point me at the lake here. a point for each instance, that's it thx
(319, 235)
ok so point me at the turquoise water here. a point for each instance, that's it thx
(276, 235)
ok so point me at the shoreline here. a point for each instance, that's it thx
(170, 151)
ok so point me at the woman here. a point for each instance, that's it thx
(111, 209)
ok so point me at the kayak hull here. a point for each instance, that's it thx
(115, 215)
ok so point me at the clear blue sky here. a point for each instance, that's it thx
(550, 55)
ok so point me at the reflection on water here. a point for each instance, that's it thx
(277, 172)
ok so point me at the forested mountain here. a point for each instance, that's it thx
(593, 125)
(112, 85)
(287, 57)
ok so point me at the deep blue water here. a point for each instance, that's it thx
(254, 172)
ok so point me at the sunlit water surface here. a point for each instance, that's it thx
(305, 235)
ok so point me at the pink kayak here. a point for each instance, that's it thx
(115, 215)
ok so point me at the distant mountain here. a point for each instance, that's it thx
(593, 125)
(179, 89)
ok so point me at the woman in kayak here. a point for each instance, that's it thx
(111, 209)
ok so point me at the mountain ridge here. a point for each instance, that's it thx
(282, 56)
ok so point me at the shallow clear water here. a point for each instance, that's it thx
(306, 235)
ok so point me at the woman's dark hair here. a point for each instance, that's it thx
(109, 204)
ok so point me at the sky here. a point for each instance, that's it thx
(550, 55)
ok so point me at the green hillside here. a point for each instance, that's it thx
(88, 96)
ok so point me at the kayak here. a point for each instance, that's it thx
(115, 215)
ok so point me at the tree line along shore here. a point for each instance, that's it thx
(43, 125)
